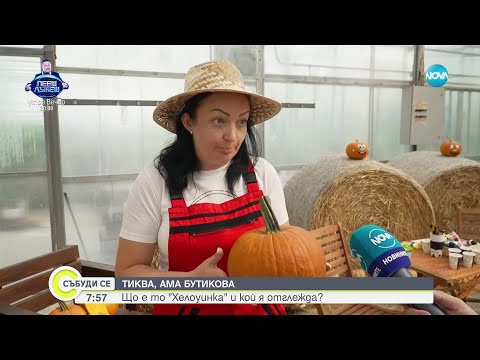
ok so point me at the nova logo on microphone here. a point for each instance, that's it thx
(381, 238)
(378, 252)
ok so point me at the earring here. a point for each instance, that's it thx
(191, 132)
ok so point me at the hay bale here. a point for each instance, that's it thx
(156, 258)
(355, 193)
(450, 182)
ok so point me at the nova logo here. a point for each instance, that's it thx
(437, 75)
(381, 238)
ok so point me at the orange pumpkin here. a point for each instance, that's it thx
(450, 148)
(100, 309)
(357, 150)
(112, 308)
(68, 309)
(274, 252)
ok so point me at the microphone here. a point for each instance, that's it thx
(381, 255)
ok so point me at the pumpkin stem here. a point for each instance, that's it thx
(271, 222)
(63, 306)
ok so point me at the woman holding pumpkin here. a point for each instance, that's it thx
(202, 192)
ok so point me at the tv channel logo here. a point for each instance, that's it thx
(60, 277)
(66, 283)
(437, 75)
(48, 83)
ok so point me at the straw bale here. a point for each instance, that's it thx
(450, 182)
(355, 193)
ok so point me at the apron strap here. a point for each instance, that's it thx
(251, 178)
(176, 197)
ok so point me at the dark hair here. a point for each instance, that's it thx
(46, 60)
(178, 161)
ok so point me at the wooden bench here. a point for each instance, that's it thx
(24, 286)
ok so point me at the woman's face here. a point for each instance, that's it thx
(219, 128)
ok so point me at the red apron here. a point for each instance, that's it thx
(198, 230)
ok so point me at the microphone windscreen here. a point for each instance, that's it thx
(377, 251)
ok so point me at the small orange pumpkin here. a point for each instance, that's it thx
(112, 308)
(450, 148)
(68, 309)
(274, 252)
(357, 150)
(100, 309)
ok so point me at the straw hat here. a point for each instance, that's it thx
(214, 76)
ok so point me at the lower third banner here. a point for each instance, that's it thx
(66, 283)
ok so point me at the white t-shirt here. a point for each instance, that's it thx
(146, 218)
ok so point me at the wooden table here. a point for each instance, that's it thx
(460, 283)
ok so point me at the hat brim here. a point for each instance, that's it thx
(261, 108)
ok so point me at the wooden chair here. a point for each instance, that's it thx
(468, 223)
(332, 240)
(25, 285)
(468, 228)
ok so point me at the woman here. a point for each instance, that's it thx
(203, 191)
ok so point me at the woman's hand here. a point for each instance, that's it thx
(209, 267)
(450, 304)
